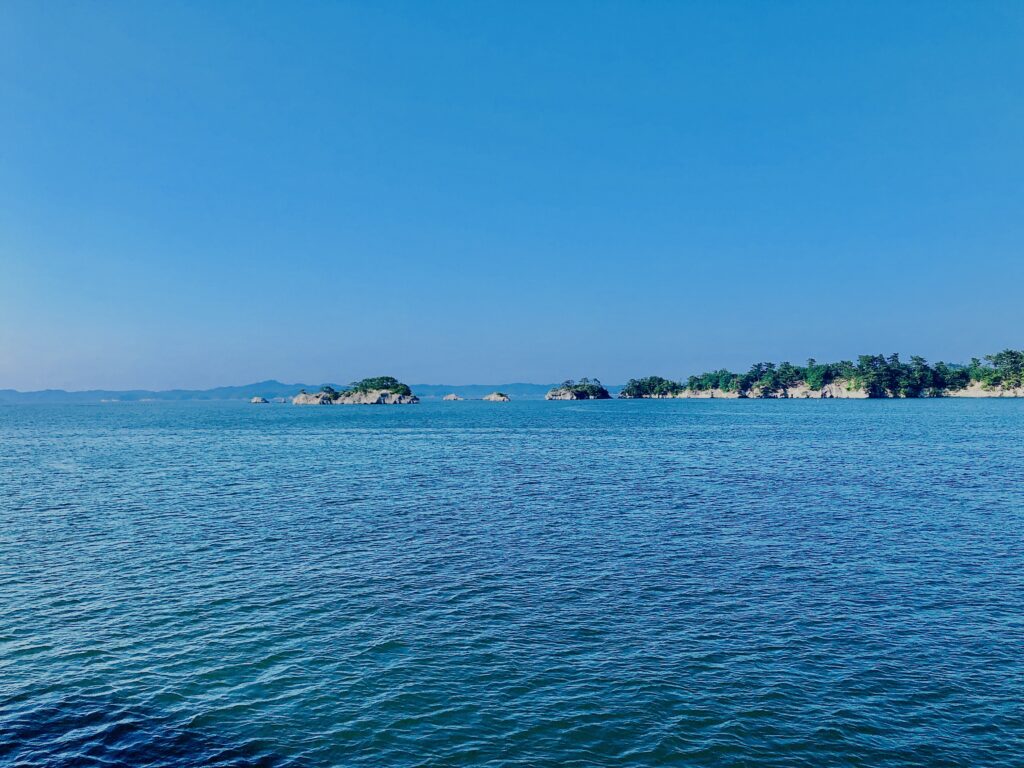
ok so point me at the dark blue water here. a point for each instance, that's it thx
(724, 583)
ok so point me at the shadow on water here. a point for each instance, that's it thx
(89, 731)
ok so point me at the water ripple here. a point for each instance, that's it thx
(608, 583)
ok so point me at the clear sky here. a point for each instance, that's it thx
(197, 194)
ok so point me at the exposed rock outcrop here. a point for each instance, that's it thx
(977, 389)
(451, 396)
(653, 396)
(375, 397)
(708, 394)
(566, 394)
(318, 398)
(497, 397)
(259, 400)
(843, 391)
(801, 392)
(837, 389)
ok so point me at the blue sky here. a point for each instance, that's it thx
(196, 194)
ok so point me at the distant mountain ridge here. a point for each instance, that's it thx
(268, 389)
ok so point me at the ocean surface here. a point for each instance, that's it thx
(625, 583)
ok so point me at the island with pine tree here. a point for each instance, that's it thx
(872, 376)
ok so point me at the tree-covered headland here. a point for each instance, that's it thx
(876, 375)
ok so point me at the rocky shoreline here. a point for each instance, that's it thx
(370, 397)
(838, 390)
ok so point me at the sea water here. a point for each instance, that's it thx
(627, 583)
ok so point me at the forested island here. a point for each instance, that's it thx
(872, 376)
(584, 389)
(379, 390)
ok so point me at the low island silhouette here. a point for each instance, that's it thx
(872, 376)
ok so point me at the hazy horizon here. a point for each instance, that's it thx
(336, 383)
(414, 382)
(200, 195)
